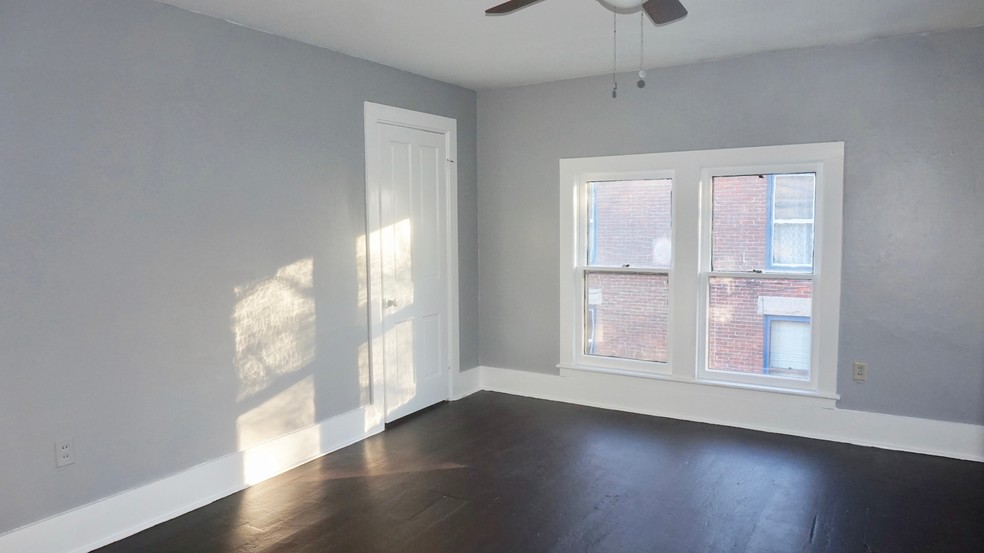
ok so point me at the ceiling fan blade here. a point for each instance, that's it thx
(664, 11)
(510, 6)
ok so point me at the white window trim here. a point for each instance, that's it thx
(690, 262)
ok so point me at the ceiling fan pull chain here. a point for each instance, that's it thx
(642, 34)
(614, 55)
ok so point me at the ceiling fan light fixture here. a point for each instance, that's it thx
(659, 11)
(624, 4)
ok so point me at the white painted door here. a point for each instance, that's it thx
(413, 198)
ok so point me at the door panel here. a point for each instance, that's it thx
(428, 346)
(413, 211)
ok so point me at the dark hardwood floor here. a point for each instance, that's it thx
(498, 473)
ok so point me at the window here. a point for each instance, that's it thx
(712, 267)
(787, 346)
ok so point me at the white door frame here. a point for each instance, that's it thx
(374, 115)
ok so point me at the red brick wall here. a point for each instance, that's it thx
(631, 319)
(629, 216)
(739, 223)
(736, 327)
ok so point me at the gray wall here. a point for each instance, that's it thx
(911, 111)
(152, 161)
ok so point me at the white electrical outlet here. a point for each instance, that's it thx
(860, 371)
(64, 453)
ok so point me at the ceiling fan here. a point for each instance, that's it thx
(660, 11)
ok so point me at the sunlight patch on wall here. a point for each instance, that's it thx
(397, 262)
(361, 269)
(282, 414)
(401, 376)
(374, 404)
(365, 383)
(273, 324)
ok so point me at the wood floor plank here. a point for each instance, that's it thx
(497, 473)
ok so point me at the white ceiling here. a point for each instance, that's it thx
(454, 41)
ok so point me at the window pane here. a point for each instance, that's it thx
(737, 312)
(794, 196)
(758, 226)
(738, 222)
(629, 223)
(626, 315)
(788, 347)
(792, 244)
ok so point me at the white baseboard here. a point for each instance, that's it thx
(765, 411)
(116, 517)
(466, 383)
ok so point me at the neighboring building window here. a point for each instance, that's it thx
(787, 346)
(673, 267)
(791, 207)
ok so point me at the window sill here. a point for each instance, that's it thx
(569, 370)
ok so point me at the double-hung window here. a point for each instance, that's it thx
(712, 267)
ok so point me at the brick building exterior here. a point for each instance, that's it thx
(627, 313)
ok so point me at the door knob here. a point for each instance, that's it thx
(390, 302)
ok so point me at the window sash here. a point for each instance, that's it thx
(807, 272)
(774, 222)
(591, 307)
(609, 245)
